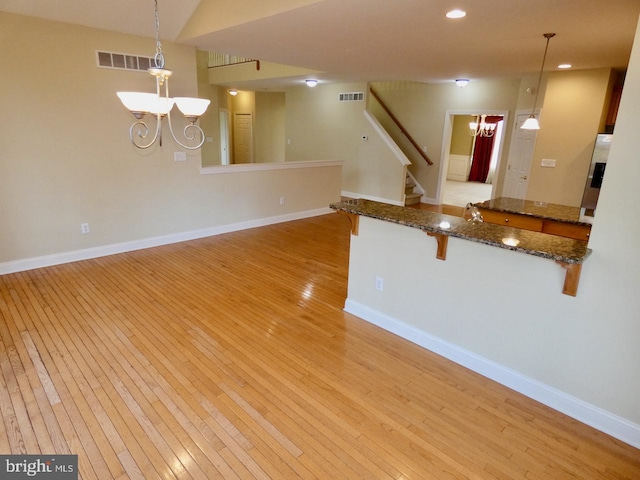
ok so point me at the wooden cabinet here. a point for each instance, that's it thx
(536, 224)
(570, 230)
(512, 220)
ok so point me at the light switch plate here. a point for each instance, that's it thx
(179, 156)
(548, 162)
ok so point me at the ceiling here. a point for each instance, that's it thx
(360, 40)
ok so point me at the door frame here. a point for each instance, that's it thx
(225, 136)
(446, 146)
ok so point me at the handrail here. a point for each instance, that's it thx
(402, 129)
(237, 63)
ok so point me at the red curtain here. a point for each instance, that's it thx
(482, 154)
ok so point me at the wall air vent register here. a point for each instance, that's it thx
(351, 97)
(123, 61)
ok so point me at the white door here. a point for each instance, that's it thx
(243, 138)
(223, 115)
(523, 143)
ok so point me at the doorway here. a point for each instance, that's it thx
(457, 190)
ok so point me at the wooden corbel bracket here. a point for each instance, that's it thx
(354, 218)
(442, 240)
(571, 278)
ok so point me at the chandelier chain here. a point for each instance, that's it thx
(159, 58)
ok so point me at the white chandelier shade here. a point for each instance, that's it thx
(192, 107)
(142, 103)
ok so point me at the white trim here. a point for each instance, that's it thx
(386, 138)
(580, 410)
(66, 257)
(259, 167)
(344, 193)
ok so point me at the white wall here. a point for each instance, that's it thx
(504, 314)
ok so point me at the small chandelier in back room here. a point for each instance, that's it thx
(482, 128)
(139, 104)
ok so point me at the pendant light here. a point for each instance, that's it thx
(531, 123)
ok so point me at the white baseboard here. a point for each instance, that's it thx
(95, 252)
(584, 412)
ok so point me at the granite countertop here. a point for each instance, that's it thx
(547, 211)
(533, 243)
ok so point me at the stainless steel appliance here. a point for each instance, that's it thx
(596, 173)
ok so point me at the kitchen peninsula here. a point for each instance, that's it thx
(567, 252)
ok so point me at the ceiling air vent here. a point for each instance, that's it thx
(351, 97)
(123, 61)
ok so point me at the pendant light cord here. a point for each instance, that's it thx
(548, 36)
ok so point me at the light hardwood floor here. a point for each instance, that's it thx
(230, 357)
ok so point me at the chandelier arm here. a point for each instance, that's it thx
(143, 132)
(189, 133)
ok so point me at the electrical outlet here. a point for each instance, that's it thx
(379, 284)
(179, 156)
(281, 200)
(84, 228)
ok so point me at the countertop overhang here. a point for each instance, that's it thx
(567, 252)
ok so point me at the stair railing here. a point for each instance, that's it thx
(402, 129)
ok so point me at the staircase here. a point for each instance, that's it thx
(410, 196)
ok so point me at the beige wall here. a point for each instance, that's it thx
(572, 114)
(210, 122)
(421, 108)
(269, 131)
(66, 158)
(461, 141)
(318, 126)
(580, 354)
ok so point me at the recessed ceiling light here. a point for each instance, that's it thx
(457, 13)
(564, 65)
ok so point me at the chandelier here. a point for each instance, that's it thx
(531, 123)
(482, 128)
(160, 104)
